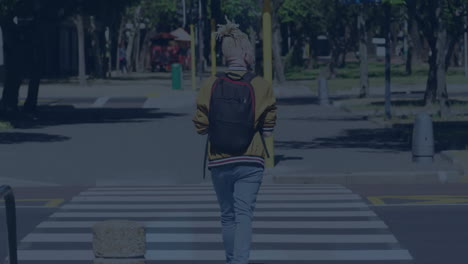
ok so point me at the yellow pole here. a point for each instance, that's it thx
(267, 39)
(213, 47)
(268, 70)
(192, 56)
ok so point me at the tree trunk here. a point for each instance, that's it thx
(136, 51)
(35, 72)
(363, 58)
(436, 91)
(131, 40)
(430, 95)
(120, 41)
(409, 55)
(96, 46)
(129, 50)
(333, 63)
(12, 53)
(145, 51)
(343, 58)
(78, 20)
(276, 46)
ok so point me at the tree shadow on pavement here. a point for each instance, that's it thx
(331, 118)
(280, 158)
(416, 102)
(447, 136)
(18, 137)
(297, 101)
(381, 139)
(309, 100)
(68, 115)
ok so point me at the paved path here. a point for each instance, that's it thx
(325, 140)
(293, 224)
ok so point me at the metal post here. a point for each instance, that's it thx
(267, 41)
(423, 139)
(184, 16)
(7, 193)
(192, 56)
(388, 54)
(200, 40)
(268, 69)
(213, 47)
(466, 47)
(323, 91)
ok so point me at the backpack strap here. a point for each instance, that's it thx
(248, 77)
(206, 156)
(220, 74)
(264, 144)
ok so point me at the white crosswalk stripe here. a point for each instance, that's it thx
(292, 224)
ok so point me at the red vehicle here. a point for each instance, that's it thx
(166, 51)
(163, 52)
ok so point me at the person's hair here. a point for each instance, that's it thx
(235, 43)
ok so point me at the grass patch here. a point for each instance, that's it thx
(5, 125)
(348, 77)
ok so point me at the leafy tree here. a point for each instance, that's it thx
(245, 12)
(25, 39)
(305, 22)
(442, 24)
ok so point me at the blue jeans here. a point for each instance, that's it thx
(236, 188)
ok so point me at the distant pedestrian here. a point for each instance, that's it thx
(123, 58)
(236, 109)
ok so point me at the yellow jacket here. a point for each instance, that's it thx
(265, 112)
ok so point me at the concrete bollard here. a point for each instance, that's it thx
(119, 241)
(423, 139)
(323, 91)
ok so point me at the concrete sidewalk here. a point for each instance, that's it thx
(324, 144)
(131, 86)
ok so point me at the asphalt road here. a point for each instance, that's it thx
(428, 220)
(33, 205)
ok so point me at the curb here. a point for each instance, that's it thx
(428, 177)
(369, 117)
(25, 183)
(460, 164)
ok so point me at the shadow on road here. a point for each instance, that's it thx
(447, 136)
(68, 115)
(331, 118)
(297, 101)
(280, 158)
(382, 139)
(416, 102)
(18, 137)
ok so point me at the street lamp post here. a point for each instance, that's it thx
(388, 58)
(268, 69)
(200, 40)
(466, 45)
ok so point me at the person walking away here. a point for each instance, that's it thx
(123, 58)
(236, 109)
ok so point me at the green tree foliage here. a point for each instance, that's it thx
(442, 23)
(161, 15)
(246, 13)
(332, 18)
(305, 14)
(6, 7)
